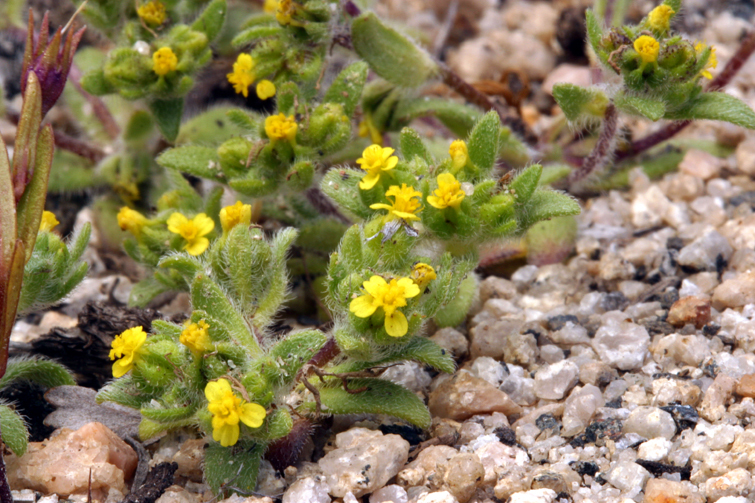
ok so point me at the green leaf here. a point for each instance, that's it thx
(32, 203)
(7, 207)
(185, 264)
(255, 33)
(483, 142)
(170, 415)
(46, 373)
(124, 392)
(342, 186)
(554, 172)
(379, 397)
(676, 5)
(458, 117)
(716, 106)
(546, 204)
(14, 432)
(210, 22)
(168, 113)
(526, 183)
(594, 30)
(637, 105)
(146, 290)
(207, 296)
(390, 54)
(194, 160)
(348, 86)
(579, 102)
(235, 467)
(455, 312)
(412, 146)
(94, 82)
(296, 350)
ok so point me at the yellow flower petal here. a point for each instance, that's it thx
(363, 306)
(375, 285)
(252, 415)
(48, 221)
(410, 287)
(175, 222)
(164, 61)
(216, 390)
(396, 324)
(265, 89)
(227, 434)
(368, 181)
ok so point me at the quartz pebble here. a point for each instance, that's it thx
(309, 489)
(620, 343)
(670, 491)
(553, 381)
(650, 422)
(714, 400)
(62, 464)
(746, 386)
(389, 494)
(534, 496)
(363, 460)
(463, 395)
(706, 252)
(695, 310)
(735, 292)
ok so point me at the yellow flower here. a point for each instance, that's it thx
(660, 17)
(280, 127)
(647, 47)
(265, 89)
(388, 297)
(227, 410)
(243, 74)
(152, 13)
(422, 274)
(48, 221)
(375, 159)
(193, 231)
(406, 204)
(712, 60)
(270, 6)
(196, 338)
(164, 61)
(127, 348)
(368, 128)
(459, 155)
(231, 216)
(131, 220)
(448, 194)
(285, 10)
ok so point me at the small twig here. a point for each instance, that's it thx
(445, 28)
(99, 108)
(66, 142)
(79, 147)
(603, 148)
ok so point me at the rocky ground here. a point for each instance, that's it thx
(625, 374)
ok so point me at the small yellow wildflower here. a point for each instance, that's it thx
(459, 155)
(196, 338)
(243, 74)
(448, 194)
(131, 220)
(647, 47)
(712, 60)
(659, 18)
(271, 6)
(193, 231)
(375, 159)
(227, 410)
(388, 297)
(265, 89)
(127, 349)
(367, 128)
(280, 127)
(152, 13)
(164, 61)
(422, 274)
(284, 12)
(406, 204)
(237, 214)
(48, 221)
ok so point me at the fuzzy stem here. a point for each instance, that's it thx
(603, 149)
(737, 61)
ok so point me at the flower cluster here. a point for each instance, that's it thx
(243, 76)
(127, 350)
(164, 61)
(386, 298)
(228, 410)
(152, 13)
